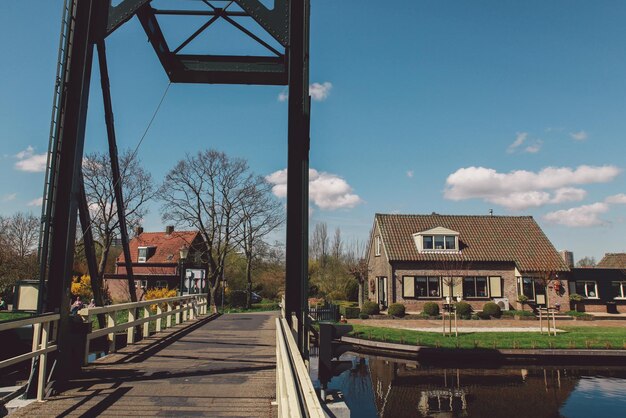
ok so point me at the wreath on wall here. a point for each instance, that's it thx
(372, 286)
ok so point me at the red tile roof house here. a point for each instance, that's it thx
(412, 258)
(155, 257)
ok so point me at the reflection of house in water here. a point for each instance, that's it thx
(409, 390)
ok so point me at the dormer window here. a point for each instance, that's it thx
(437, 239)
(144, 253)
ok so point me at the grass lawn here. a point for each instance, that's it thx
(8, 316)
(574, 337)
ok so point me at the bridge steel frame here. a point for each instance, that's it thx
(86, 24)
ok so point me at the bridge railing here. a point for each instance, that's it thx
(44, 342)
(295, 394)
(169, 311)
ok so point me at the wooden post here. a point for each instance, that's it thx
(158, 321)
(178, 314)
(168, 321)
(41, 382)
(132, 316)
(185, 305)
(111, 336)
(540, 322)
(146, 325)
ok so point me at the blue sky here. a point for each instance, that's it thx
(453, 107)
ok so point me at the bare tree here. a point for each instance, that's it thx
(18, 249)
(337, 245)
(319, 242)
(205, 191)
(356, 263)
(586, 262)
(137, 188)
(262, 214)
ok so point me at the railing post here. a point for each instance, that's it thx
(130, 332)
(158, 321)
(111, 336)
(185, 305)
(168, 321)
(146, 325)
(41, 382)
(178, 314)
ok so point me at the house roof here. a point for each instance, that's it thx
(167, 245)
(516, 239)
(613, 260)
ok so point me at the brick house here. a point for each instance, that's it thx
(602, 285)
(414, 259)
(156, 262)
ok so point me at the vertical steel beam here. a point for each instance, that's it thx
(70, 141)
(296, 285)
(115, 166)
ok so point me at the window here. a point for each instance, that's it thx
(619, 290)
(475, 287)
(161, 284)
(587, 289)
(141, 284)
(528, 287)
(421, 287)
(439, 242)
(377, 245)
(143, 254)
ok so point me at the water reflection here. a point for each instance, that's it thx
(393, 388)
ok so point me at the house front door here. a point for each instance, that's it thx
(382, 291)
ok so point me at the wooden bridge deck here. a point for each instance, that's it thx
(222, 368)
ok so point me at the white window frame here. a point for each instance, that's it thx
(378, 245)
(622, 288)
(587, 282)
(434, 239)
(141, 259)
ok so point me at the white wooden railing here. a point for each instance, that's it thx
(44, 342)
(173, 310)
(295, 394)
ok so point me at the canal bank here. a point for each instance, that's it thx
(485, 355)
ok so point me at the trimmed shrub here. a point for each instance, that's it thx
(474, 317)
(363, 316)
(492, 309)
(575, 297)
(483, 315)
(370, 308)
(431, 309)
(351, 312)
(397, 309)
(463, 310)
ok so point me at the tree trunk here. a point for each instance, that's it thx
(212, 302)
(360, 294)
(249, 278)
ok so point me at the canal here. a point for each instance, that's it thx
(384, 387)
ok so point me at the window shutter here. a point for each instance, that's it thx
(457, 291)
(495, 286)
(408, 287)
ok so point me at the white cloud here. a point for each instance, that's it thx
(521, 189)
(31, 162)
(534, 148)
(326, 190)
(318, 91)
(616, 199)
(581, 216)
(35, 202)
(283, 96)
(409, 174)
(579, 136)
(9, 197)
(520, 137)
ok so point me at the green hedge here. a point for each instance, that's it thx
(463, 310)
(396, 309)
(351, 312)
(492, 309)
(370, 308)
(431, 309)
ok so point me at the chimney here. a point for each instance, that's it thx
(568, 258)
(169, 229)
(138, 231)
